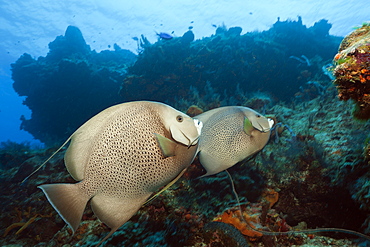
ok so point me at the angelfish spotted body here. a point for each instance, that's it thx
(121, 156)
(231, 134)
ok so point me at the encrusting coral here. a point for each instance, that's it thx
(254, 217)
(352, 70)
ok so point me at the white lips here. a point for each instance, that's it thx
(198, 125)
(271, 122)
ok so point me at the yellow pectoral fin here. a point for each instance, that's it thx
(166, 187)
(166, 145)
(248, 127)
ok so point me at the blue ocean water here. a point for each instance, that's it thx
(28, 27)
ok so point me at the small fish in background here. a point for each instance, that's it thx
(231, 134)
(121, 156)
(165, 36)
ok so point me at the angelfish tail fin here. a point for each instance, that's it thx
(68, 200)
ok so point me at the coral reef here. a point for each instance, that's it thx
(69, 85)
(352, 70)
(252, 218)
(216, 69)
(313, 173)
(316, 168)
(255, 61)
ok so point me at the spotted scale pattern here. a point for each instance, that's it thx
(223, 134)
(126, 161)
(224, 142)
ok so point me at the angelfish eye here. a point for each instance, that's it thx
(258, 116)
(179, 118)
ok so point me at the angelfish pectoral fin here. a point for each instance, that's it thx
(248, 127)
(166, 145)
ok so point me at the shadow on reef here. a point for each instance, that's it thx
(68, 86)
(279, 61)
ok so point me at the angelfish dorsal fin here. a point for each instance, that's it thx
(166, 145)
(248, 127)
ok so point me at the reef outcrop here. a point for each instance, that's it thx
(280, 61)
(352, 70)
(68, 86)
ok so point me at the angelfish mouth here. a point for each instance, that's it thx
(190, 142)
(193, 142)
(271, 123)
(198, 126)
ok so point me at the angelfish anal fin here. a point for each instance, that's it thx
(166, 187)
(166, 145)
(248, 127)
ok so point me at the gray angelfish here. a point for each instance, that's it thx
(231, 134)
(121, 156)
